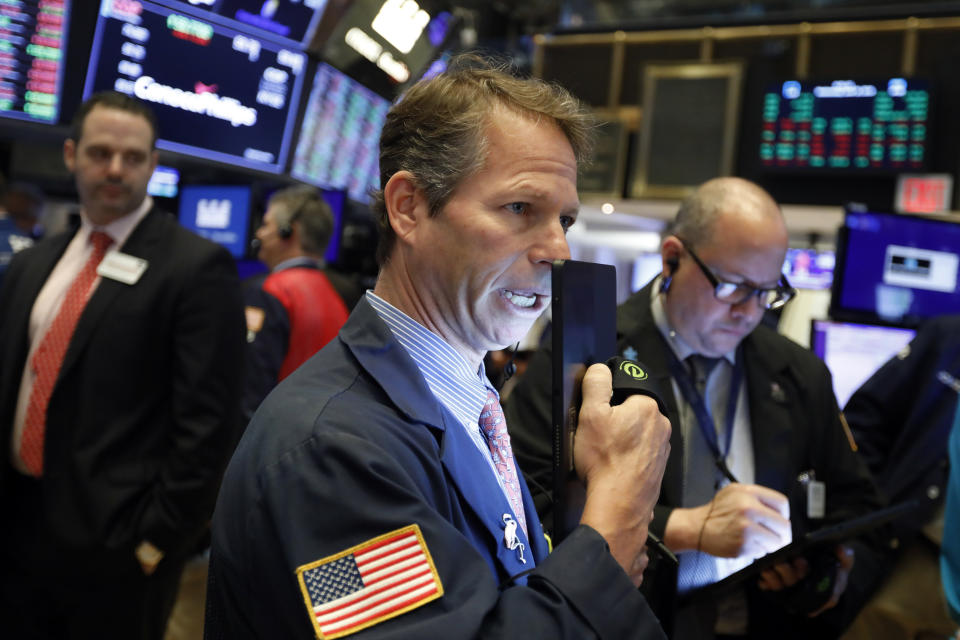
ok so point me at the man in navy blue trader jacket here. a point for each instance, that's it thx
(363, 499)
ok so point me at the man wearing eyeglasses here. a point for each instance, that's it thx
(751, 411)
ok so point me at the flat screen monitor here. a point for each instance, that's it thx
(854, 351)
(896, 268)
(218, 94)
(220, 213)
(33, 44)
(809, 268)
(164, 183)
(291, 21)
(846, 125)
(340, 135)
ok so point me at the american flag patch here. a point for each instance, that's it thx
(369, 583)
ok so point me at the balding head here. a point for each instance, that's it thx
(734, 199)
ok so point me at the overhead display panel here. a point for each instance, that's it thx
(33, 41)
(218, 94)
(387, 43)
(340, 135)
(846, 125)
(291, 20)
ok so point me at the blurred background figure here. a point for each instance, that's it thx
(21, 208)
(901, 418)
(294, 310)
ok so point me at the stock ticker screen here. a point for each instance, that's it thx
(33, 41)
(218, 93)
(340, 135)
(293, 20)
(845, 125)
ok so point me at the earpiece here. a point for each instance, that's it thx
(285, 229)
(672, 264)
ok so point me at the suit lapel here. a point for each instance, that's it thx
(371, 342)
(45, 257)
(769, 390)
(470, 472)
(142, 243)
(640, 333)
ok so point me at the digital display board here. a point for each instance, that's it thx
(845, 125)
(853, 352)
(293, 20)
(218, 213)
(33, 41)
(340, 135)
(897, 268)
(217, 93)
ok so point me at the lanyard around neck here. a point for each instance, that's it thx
(696, 401)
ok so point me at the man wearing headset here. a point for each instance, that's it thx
(751, 412)
(295, 310)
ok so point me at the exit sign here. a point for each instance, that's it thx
(924, 193)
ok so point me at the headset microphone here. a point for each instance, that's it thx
(254, 244)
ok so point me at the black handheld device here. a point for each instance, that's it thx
(630, 378)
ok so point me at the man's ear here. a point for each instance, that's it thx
(69, 154)
(406, 205)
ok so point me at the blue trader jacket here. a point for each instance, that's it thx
(353, 446)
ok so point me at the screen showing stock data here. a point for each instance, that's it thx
(33, 41)
(340, 135)
(292, 20)
(846, 125)
(217, 93)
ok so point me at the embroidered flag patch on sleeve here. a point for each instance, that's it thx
(369, 583)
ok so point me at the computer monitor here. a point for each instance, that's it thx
(846, 125)
(289, 21)
(339, 139)
(854, 351)
(164, 182)
(809, 268)
(218, 94)
(33, 47)
(220, 213)
(896, 268)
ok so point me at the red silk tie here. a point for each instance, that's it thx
(49, 355)
(494, 429)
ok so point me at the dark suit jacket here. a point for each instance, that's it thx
(795, 426)
(902, 417)
(353, 445)
(145, 412)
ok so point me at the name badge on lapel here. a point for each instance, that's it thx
(122, 267)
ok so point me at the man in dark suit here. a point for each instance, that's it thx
(750, 411)
(121, 347)
(902, 418)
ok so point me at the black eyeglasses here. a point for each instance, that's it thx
(740, 292)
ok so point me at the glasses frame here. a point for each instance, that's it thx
(783, 290)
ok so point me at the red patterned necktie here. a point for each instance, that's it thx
(49, 355)
(494, 429)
